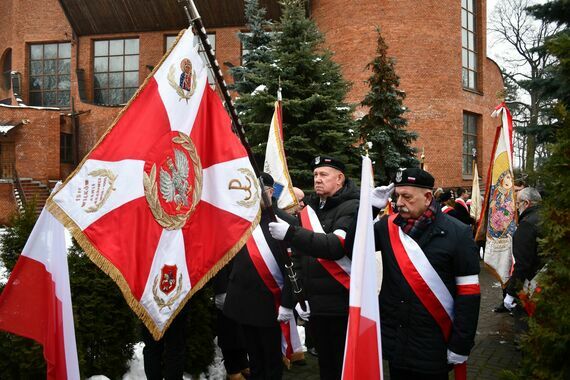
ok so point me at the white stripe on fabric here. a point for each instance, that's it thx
(345, 263)
(216, 180)
(340, 233)
(426, 271)
(267, 256)
(170, 251)
(128, 186)
(181, 112)
(467, 280)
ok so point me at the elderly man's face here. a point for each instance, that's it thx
(412, 201)
(327, 181)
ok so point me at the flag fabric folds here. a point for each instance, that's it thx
(476, 201)
(363, 350)
(498, 216)
(36, 302)
(276, 163)
(168, 194)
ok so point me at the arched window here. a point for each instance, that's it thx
(6, 67)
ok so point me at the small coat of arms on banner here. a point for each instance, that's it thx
(186, 84)
(179, 182)
(249, 186)
(167, 282)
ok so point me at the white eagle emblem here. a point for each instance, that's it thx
(175, 187)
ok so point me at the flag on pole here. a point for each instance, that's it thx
(36, 302)
(498, 216)
(168, 195)
(363, 350)
(276, 163)
(476, 202)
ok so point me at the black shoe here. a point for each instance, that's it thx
(501, 309)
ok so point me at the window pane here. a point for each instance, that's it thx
(170, 41)
(36, 67)
(116, 47)
(50, 82)
(35, 98)
(116, 63)
(472, 60)
(464, 37)
(36, 83)
(50, 66)
(101, 48)
(102, 96)
(63, 98)
(464, 57)
(471, 41)
(132, 63)
(50, 51)
(101, 80)
(132, 46)
(115, 80)
(64, 82)
(463, 3)
(115, 96)
(101, 64)
(64, 50)
(132, 79)
(465, 78)
(36, 51)
(50, 98)
(64, 66)
(470, 5)
(470, 23)
(128, 94)
(464, 18)
(472, 79)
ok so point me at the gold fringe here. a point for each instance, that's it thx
(495, 274)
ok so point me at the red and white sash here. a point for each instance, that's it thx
(269, 271)
(446, 209)
(462, 203)
(424, 280)
(339, 269)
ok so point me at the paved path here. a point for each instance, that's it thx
(493, 351)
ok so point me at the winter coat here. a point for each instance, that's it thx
(326, 296)
(248, 300)
(411, 337)
(525, 250)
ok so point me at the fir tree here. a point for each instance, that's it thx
(16, 235)
(384, 125)
(546, 347)
(316, 120)
(200, 333)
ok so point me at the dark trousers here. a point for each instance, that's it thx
(403, 374)
(264, 350)
(329, 334)
(170, 351)
(232, 343)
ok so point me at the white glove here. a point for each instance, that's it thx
(509, 302)
(278, 229)
(285, 314)
(219, 300)
(453, 358)
(304, 315)
(381, 195)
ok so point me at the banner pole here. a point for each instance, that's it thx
(195, 20)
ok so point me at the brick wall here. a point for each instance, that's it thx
(7, 203)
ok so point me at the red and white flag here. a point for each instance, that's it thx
(363, 350)
(36, 302)
(168, 195)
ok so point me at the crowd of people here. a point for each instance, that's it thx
(429, 297)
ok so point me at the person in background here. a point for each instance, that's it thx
(461, 207)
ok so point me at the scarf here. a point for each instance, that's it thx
(416, 227)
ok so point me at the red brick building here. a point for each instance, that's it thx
(64, 63)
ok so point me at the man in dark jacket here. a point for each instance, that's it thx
(461, 208)
(429, 301)
(525, 244)
(335, 203)
(252, 304)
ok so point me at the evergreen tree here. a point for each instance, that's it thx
(200, 333)
(384, 125)
(16, 235)
(105, 326)
(316, 120)
(546, 348)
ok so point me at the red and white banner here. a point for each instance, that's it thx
(36, 302)
(339, 269)
(271, 275)
(148, 203)
(363, 350)
(276, 162)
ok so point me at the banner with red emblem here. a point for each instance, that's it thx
(168, 194)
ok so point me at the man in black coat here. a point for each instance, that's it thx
(461, 208)
(251, 303)
(335, 202)
(423, 248)
(525, 244)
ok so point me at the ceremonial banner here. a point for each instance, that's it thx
(168, 195)
(498, 217)
(276, 163)
(476, 201)
(36, 302)
(363, 350)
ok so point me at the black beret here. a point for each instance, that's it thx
(327, 161)
(415, 177)
(445, 196)
(267, 179)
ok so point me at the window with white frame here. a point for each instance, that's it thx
(469, 43)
